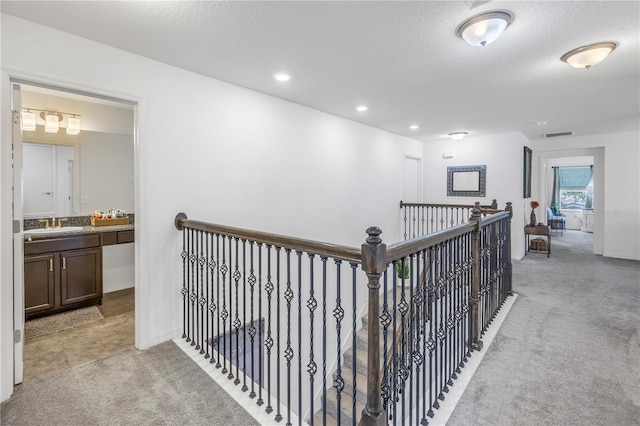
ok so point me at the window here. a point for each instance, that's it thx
(573, 187)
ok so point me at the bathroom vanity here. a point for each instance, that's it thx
(63, 270)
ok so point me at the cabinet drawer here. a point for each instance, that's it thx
(125, 237)
(109, 238)
(60, 244)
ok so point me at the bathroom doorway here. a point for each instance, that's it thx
(68, 176)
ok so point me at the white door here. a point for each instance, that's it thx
(18, 259)
(39, 179)
(412, 179)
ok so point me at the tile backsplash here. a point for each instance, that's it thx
(71, 221)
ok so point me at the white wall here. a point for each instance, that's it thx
(245, 159)
(620, 213)
(503, 156)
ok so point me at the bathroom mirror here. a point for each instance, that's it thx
(48, 180)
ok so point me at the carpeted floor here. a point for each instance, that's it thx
(568, 353)
(159, 386)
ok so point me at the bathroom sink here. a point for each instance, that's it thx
(53, 230)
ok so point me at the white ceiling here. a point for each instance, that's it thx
(403, 59)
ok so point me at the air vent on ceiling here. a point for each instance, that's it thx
(555, 135)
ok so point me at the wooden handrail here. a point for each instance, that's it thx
(350, 254)
(493, 206)
(405, 248)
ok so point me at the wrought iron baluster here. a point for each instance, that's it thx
(269, 342)
(211, 284)
(338, 314)
(288, 295)
(224, 314)
(244, 316)
(260, 401)
(207, 340)
(405, 222)
(184, 291)
(192, 296)
(410, 336)
(385, 322)
(299, 256)
(219, 330)
(324, 339)
(425, 319)
(278, 414)
(236, 321)
(312, 368)
(394, 346)
(201, 300)
(431, 344)
(231, 322)
(252, 327)
(354, 267)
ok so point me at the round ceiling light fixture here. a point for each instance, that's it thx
(590, 55)
(362, 108)
(414, 127)
(485, 28)
(456, 136)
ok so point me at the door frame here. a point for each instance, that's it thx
(11, 277)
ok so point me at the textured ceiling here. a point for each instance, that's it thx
(402, 59)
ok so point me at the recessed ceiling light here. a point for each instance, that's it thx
(456, 136)
(282, 76)
(414, 127)
(362, 108)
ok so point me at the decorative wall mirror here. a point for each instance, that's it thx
(466, 181)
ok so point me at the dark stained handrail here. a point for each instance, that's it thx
(350, 254)
(404, 248)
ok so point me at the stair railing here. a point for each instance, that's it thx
(277, 313)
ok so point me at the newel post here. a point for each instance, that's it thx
(476, 325)
(509, 209)
(374, 263)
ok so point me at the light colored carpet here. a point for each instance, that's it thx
(54, 323)
(158, 386)
(568, 353)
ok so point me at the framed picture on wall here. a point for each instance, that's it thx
(527, 173)
(466, 181)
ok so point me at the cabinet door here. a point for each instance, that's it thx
(81, 275)
(39, 283)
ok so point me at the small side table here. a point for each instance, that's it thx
(542, 230)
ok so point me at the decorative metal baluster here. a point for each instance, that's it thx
(269, 342)
(405, 222)
(354, 267)
(278, 363)
(410, 337)
(288, 353)
(260, 401)
(440, 330)
(324, 339)
(402, 368)
(201, 300)
(468, 304)
(212, 305)
(224, 314)
(385, 321)
(184, 291)
(236, 322)
(192, 296)
(299, 255)
(450, 324)
(312, 368)
(338, 314)
(206, 341)
(244, 316)
(252, 327)
(394, 345)
(425, 319)
(431, 344)
(231, 323)
(218, 329)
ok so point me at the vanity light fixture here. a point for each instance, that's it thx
(28, 121)
(52, 120)
(484, 29)
(590, 55)
(73, 125)
(457, 136)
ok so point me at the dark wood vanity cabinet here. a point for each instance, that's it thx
(62, 274)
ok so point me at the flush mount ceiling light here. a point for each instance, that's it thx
(28, 121)
(485, 28)
(590, 55)
(282, 76)
(362, 108)
(414, 127)
(456, 136)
